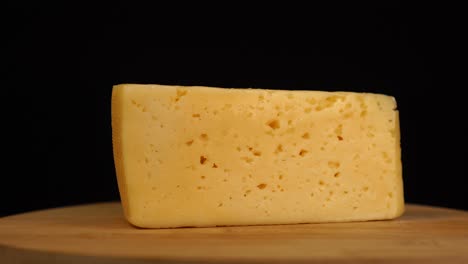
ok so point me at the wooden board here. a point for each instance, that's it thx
(97, 233)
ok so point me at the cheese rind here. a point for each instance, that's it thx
(201, 156)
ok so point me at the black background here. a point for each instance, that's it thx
(61, 63)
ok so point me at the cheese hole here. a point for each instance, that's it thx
(257, 153)
(303, 152)
(306, 136)
(204, 137)
(279, 149)
(379, 105)
(262, 186)
(333, 164)
(214, 165)
(274, 124)
(202, 159)
(337, 174)
(180, 94)
(189, 143)
(339, 132)
(386, 157)
(202, 177)
(196, 115)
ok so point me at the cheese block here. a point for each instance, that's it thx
(201, 156)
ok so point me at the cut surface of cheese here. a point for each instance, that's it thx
(203, 156)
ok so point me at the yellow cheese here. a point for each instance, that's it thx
(200, 156)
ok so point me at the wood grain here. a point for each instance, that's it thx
(98, 233)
